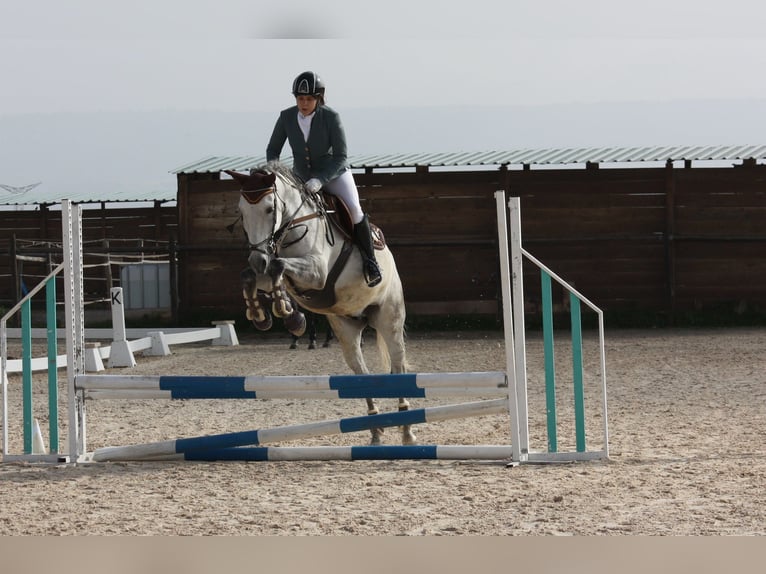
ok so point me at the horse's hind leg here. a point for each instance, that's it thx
(348, 331)
(389, 324)
(330, 336)
(311, 327)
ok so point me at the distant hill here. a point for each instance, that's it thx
(137, 150)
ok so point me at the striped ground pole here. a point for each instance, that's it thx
(294, 432)
(409, 385)
(383, 452)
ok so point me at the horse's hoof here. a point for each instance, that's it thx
(408, 438)
(312, 345)
(293, 345)
(263, 326)
(375, 439)
(279, 309)
(296, 324)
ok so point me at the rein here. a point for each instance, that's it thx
(276, 240)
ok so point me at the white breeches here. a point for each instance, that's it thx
(344, 187)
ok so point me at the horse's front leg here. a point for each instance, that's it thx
(282, 304)
(310, 271)
(257, 301)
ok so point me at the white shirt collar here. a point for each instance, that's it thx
(304, 122)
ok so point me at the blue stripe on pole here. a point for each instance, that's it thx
(195, 387)
(413, 452)
(392, 392)
(377, 386)
(256, 453)
(393, 452)
(354, 424)
(218, 441)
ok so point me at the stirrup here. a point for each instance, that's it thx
(372, 273)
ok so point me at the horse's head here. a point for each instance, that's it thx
(261, 216)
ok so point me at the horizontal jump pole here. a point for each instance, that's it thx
(195, 336)
(294, 432)
(36, 364)
(413, 385)
(185, 334)
(349, 453)
(429, 393)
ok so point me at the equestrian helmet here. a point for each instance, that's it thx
(308, 84)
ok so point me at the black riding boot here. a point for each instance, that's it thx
(363, 238)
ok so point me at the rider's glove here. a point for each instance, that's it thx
(313, 185)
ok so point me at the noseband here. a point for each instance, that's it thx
(275, 240)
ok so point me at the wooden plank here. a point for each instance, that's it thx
(722, 221)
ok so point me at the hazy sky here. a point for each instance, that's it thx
(86, 55)
(548, 73)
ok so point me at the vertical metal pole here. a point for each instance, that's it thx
(510, 363)
(26, 373)
(173, 261)
(4, 381)
(577, 372)
(53, 389)
(15, 272)
(73, 288)
(520, 351)
(602, 365)
(550, 363)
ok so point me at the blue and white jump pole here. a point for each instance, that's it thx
(190, 446)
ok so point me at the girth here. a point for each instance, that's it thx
(326, 297)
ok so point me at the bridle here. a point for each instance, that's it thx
(276, 239)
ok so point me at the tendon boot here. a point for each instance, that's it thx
(363, 238)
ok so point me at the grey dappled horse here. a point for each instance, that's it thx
(298, 252)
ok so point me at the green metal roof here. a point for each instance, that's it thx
(527, 156)
(18, 196)
(548, 156)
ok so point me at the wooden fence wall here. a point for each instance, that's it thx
(117, 231)
(654, 240)
(648, 240)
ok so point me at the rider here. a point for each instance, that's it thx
(318, 143)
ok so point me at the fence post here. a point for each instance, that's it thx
(53, 389)
(26, 376)
(550, 363)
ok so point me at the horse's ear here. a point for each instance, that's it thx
(240, 178)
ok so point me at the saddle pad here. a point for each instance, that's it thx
(378, 239)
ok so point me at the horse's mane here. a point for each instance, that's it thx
(283, 172)
(286, 174)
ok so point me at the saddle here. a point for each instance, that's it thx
(338, 213)
(340, 217)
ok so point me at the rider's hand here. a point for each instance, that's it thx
(313, 185)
